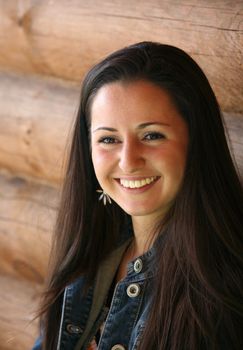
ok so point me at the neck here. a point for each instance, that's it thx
(144, 235)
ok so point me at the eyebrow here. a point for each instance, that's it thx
(140, 126)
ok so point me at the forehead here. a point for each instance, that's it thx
(129, 102)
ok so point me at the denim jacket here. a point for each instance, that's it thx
(83, 314)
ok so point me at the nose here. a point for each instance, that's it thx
(131, 157)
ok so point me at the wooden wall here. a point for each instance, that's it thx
(63, 38)
(45, 48)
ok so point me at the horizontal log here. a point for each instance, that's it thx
(18, 304)
(63, 38)
(26, 222)
(36, 116)
(35, 120)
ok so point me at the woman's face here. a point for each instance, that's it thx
(139, 146)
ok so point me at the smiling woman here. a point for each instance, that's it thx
(156, 264)
(139, 146)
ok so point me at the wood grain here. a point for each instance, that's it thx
(64, 38)
(234, 125)
(19, 301)
(27, 215)
(36, 116)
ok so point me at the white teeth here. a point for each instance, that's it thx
(132, 184)
(137, 183)
(143, 182)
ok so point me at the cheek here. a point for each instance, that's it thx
(101, 160)
(172, 161)
(177, 170)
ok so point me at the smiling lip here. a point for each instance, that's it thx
(137, 184)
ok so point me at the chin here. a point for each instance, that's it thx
(138, 212)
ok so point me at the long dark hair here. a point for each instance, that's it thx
(197, 296)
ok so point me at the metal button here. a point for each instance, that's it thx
(118, 347)
(133, 290)
(72, 329)
(138, 265)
